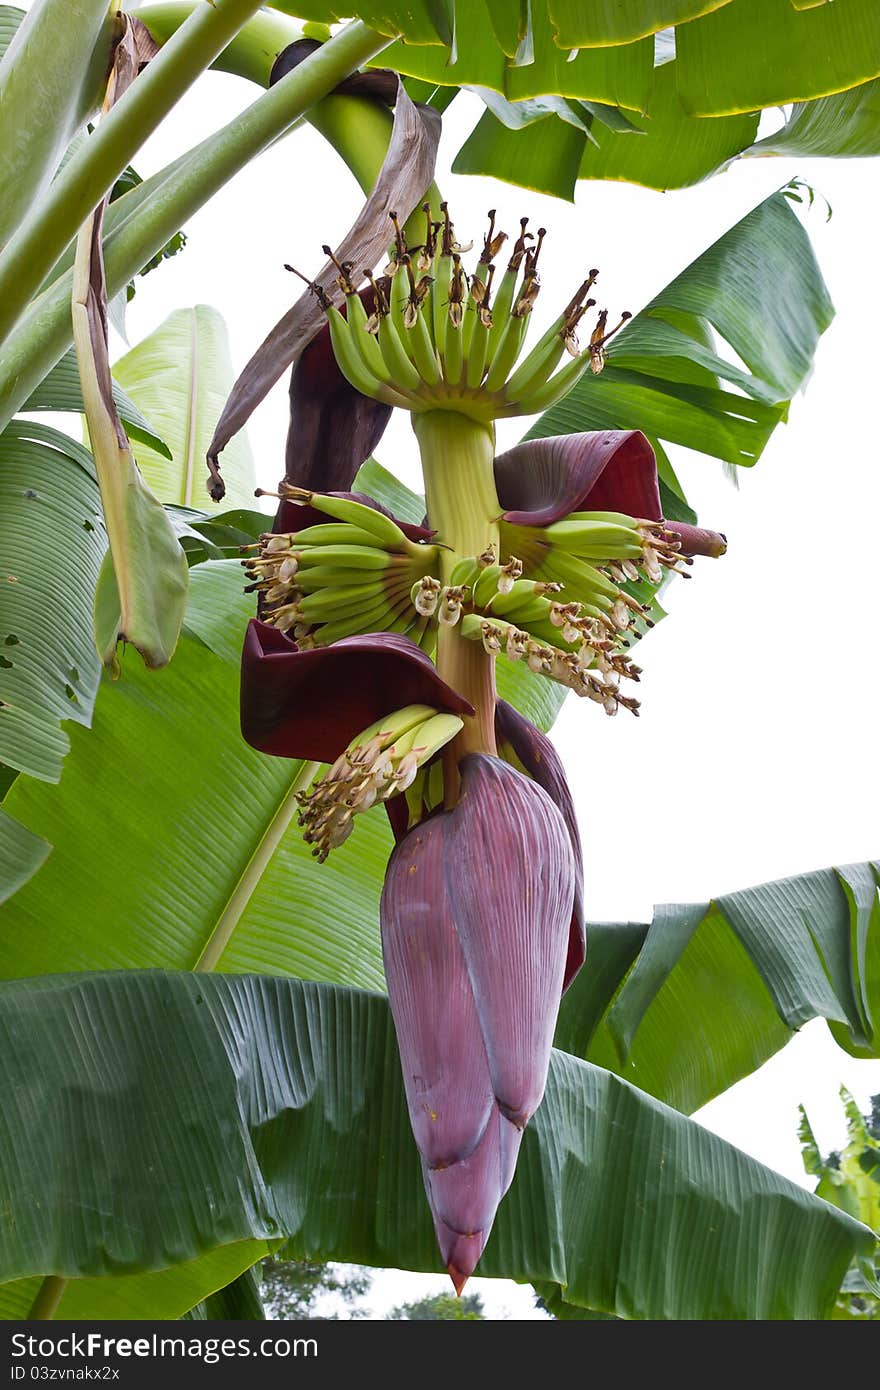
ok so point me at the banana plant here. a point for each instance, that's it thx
(368, 682)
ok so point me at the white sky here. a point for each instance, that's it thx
(756, 754)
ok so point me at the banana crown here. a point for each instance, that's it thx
(432, 336)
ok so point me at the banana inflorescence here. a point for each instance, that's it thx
(430, 336)
(568, 607)
(381, 762)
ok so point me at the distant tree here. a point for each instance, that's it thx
(442, 1307)
(290, 1289)
(850, 1179)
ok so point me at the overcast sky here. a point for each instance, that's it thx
(756, 754)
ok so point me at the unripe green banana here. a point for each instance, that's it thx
(536, 367)
(485, 586)
(609, 518)
(471, 626)
(349, 359)
(334, 533)
(310, 578)
(367, 620)
(399, 292)
(501, 309)
(434, 734)
(361, 557)
(453, 355)
(392, 726)
(465, 571)
(435, 788)
(364, 342)
(554, 389)
(471, 317)
(507, 352)
(578, 576)
(421, 349)
(476, 354)
(328, 605)
(382, 528)
(440, 302)
(400, 366)
(520, 606)
(594, 540)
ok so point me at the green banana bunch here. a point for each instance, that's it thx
(382, 761)
(632, 548)
(431, 337)
(338, 578)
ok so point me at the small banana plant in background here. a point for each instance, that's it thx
(850, 1179)
(375, 650)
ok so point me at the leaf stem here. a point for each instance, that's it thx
(49, 1295)
(36, 343)
(53, 219)
(244, 889)
(52, 78)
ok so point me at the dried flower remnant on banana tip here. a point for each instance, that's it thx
(549, 555)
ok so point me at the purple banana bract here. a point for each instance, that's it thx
(475, 916)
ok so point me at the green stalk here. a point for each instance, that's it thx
(54, 219)
(180, 190)
(51, 79)
(244, 889)
(49, 1295)
(458, 463)
(251, 53)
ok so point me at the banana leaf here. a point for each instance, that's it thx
(735, 977)
(760, 288)
(754, 53)
(846, 125)
(61, 390)
(220, 1113)
(180, 376)
(53, 541)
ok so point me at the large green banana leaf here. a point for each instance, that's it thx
(754, 53)
(61, 390)
(846, 125)
(149, 1119)
(662, 147)
(52, 541)
(180, 376)
(728, 61)
(760, 288)
(707, 992)
(165, 760)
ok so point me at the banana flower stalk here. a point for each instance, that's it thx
(376, 649)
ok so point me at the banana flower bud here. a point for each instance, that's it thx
(475, 916)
